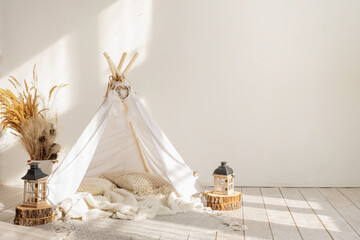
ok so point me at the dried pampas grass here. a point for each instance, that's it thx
(38, 138)
(27, 114)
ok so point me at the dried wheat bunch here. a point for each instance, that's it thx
(38, 137)
(27, 114)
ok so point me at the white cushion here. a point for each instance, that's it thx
(137, 182)
(96, 186)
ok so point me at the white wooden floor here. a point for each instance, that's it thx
(268, 213)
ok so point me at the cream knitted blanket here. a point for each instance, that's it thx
(123, 204)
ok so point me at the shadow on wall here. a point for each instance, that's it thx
(66, 41)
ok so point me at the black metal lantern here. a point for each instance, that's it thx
(223, 180)
(35, 187)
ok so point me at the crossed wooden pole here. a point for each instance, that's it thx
(116, 71)
(117, 76)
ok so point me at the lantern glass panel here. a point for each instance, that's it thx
(222, 181)
(42, 192)
(30, 189)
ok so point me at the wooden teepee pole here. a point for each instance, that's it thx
(139, 147)
(122, 60)
(115, 72)
(131, 63)
(143, 159)
(126, 109)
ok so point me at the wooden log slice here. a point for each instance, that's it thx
(28, 216)
(223, 202)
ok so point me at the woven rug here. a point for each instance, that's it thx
(191, 225)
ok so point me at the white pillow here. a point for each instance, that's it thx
(95, 186)
(137, 182)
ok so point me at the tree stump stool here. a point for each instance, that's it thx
(223, 202)
(30, 216)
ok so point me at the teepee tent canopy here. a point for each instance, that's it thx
(121, 136)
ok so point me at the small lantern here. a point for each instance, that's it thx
(223, 180)
(35, 187)
(35, 210)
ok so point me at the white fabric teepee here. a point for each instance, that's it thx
(121, 135)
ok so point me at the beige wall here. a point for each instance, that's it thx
(272, 87)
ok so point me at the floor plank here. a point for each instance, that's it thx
(13, 232)
(353, 194)
(10, 198)
(349, 211)
(7, 214)
(222, 235)
(255, 217)
(281, 220)
(9, 202)
(306, 220)
(332, 220)
(7, 192)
